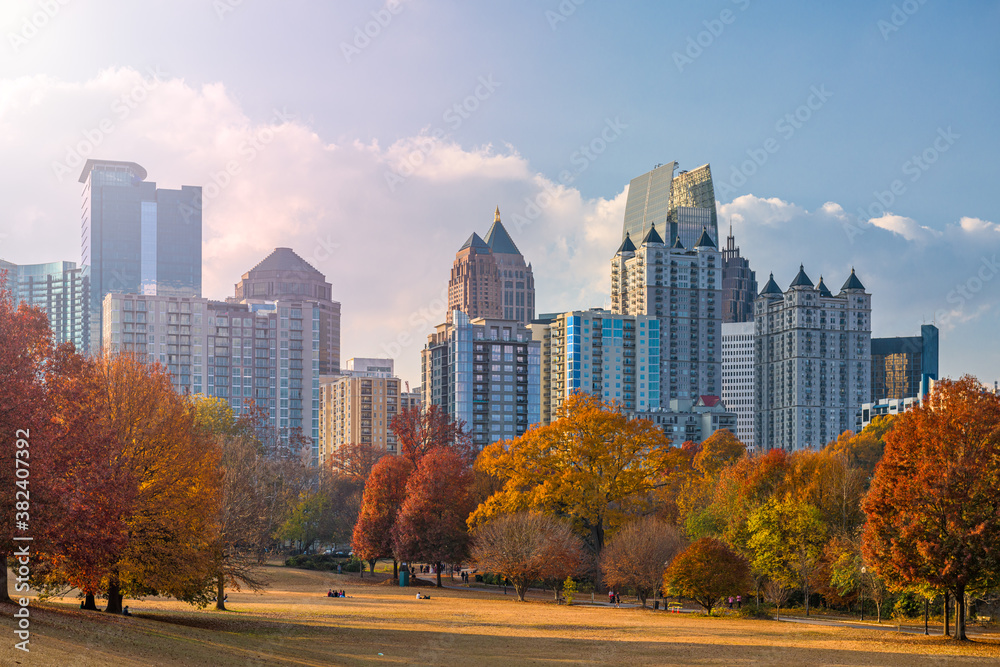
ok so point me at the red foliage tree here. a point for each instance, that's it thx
(705, 571)
(383, 498)
(356, 460)
(419, 432)
(934, 506)
(432, 524)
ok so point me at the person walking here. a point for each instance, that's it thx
(730, 602)
(739, 601)
(611, 597)
(618, 600)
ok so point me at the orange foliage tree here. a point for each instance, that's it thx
(636, 556)
(381, 503)
(934, 505)
(705, 571)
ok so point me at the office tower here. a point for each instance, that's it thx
(137, 238)
(903, 367)
(371, 367)
(739, 284)
(358, 409)
(682, 288)
(283, 275)
(484, 373)
(491, 279)
(691, 420)
(61, 290)
(813, 362)
(262, 353)
(738, 377)
(681, 206)
(613, 356)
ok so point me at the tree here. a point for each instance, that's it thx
(355, 460)
(526, 547)
(418, 432)
(593, 464)
(381, 503)
(776, 592)
(705, 571)
(787, 541)
(932, 508)
(719, 450)
(638, 553)
(431, 526)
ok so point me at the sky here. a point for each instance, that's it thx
(373, 137)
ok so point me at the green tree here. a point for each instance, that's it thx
(786, 539)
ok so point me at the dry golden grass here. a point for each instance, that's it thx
(294, 623)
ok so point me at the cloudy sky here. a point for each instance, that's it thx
(373, 137)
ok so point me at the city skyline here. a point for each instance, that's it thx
(285, 162)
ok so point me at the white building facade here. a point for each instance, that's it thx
(738, 377)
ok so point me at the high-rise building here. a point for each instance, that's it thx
(358, 409)
(137, 238)
(738, 377)
(682, 206)
(813, 364)
(263, 353)
(739, 284)
(903, 367)
(691, 420)
(613, 356)
(61, 290)
(484, 373)
(491, 279)
(283, 275)
(682, 288)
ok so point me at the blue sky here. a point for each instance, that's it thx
(885, 81)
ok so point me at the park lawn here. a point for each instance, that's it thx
(294, 623)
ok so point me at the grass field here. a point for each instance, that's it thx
(294, 623)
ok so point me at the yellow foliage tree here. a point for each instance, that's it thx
(593, 464)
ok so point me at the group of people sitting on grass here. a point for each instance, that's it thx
(421, 596)
(335, 594)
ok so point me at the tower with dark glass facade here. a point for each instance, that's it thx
(902, 367)
(137, 238)
(739, 284)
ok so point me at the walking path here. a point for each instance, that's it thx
(933, 629)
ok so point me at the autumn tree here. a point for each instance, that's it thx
(431, 526)
(932, 508)
(593, 464)
(786, 539)
(638, 553)
(381, 503)
(526, 547)
(706, 571)
(418, 432)
(355, 460)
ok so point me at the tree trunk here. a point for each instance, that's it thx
(960, 614)
(927, 605)
(520, 589)
(878, 609)
(438, 568)
(805, 588)
(395, 570)
(220, 592)
(947, 618)
(89, 603)
(371, 564)
(4, 593)
(114, 597)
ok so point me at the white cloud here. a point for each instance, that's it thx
(908, 228)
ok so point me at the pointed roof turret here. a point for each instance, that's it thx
(823, 289)
(852, 283)
(678, 245)
(705, 241)
(498, 239)
(771, 287)
(652, 236)
(475, 242)
(626, 246)
(801, 279)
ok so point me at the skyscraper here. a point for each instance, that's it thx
(682, 206)
(813, 362)
(491, 279)
(739, 284)
(902, 367)
(137, 238)
(283, 275)
(682, 288)
(61, 291)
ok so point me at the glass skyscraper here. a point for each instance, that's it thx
(136, 238)
(682, 206)
(61, 290)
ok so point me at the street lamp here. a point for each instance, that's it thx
(863, 571)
